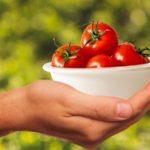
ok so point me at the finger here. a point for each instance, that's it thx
(90, 132)
(141, 100)
(76, 130)
(101, 108)
(120, 126)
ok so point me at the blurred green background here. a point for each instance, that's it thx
(26, 31)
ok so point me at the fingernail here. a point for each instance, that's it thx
(124, 111)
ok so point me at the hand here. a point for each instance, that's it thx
(59, 110)
(83, 119)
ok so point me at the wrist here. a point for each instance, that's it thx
(15, 111)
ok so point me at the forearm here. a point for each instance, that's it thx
(15, 113)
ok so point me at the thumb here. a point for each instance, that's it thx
(141, 100)
(102, 108)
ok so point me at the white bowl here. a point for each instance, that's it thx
(116, 81)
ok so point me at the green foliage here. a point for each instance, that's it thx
(26, 32)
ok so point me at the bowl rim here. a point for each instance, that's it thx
(48, 68)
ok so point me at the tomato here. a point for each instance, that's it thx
(71, 56)
(127, 54)
(100, 61)
(99, 38)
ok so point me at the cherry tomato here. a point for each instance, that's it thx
(100, 61)
(127, 54)
(99, 38)
(71, 56)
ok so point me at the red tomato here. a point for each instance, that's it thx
(100, 61)
(99, 38)
(127, 54)
(71, 56)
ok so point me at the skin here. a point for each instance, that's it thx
(69, 114)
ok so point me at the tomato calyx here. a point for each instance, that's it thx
(95, 34)
(67, 54)
(144, 51)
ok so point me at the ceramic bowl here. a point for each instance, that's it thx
(116, 81)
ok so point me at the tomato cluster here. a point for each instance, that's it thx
(99, 48)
